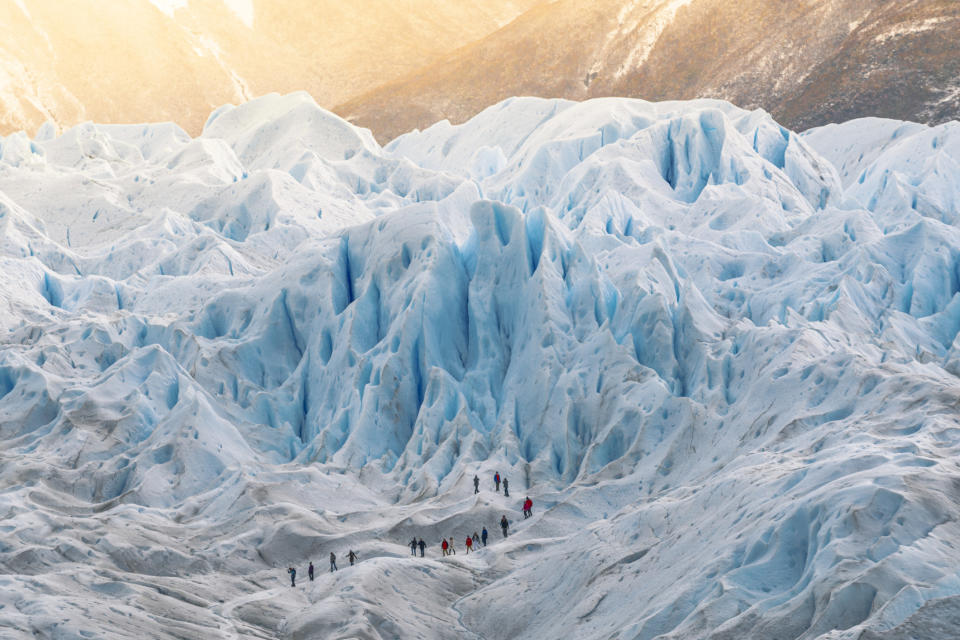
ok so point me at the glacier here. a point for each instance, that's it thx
(720, 356)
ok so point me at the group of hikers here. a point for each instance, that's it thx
(527, 502)
(496, 484)
(446, 545)
(352, 557)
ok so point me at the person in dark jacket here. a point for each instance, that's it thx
(413, 547)
(422, 546)
(476, 484)
(293, 576)
(333, 562)
(503, 525)
(352, 556)
(483, 536)
(506, 487)
(310, 571)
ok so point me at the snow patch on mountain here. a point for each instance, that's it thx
(169, 7)
(645, 28)
(243, 9)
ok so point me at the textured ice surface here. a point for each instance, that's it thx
(720, 356)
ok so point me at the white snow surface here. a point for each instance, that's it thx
(719, 356)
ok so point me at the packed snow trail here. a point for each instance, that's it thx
(720, 357)
(242, 629)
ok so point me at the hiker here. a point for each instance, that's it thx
(422, 546)
(527, 507)
(445, 547)
(503, 525)
(333, 562)
(483, 536)
(506, 487)
(476, 539)
(476, 484)
(413, 546)
(352, 556)
(469, 544)
(496, 481)
(293, 576)
(452, 551)
(310, 571)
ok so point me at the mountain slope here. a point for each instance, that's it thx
(807, 63)
(727, 380)
(149, 61)
(397, 66)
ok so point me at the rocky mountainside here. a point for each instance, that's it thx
(808, 62)
(396, 66)
(143, 61)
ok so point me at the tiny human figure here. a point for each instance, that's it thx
(445, 547)
(352, 556)
(422, 546)
(527, 507)
(310, 571)
(483, 536)
(452, 551)
(476, 538)
(293, 576)
(506, 487)
(476, 484)
(333, 562)
(413, 546)
(503, 525)
(496, 481)
(469, 544)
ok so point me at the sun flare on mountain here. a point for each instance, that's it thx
(395, 66)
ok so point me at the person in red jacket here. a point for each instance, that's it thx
(444, 546)
(496, 480)
(469, 544)
(527, 508)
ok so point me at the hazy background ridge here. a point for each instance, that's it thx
(402, 65)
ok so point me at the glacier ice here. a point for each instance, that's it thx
(719, 355)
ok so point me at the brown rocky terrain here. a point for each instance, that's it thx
(807, 62)
(405, 64)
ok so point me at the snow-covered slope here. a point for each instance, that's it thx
(728, 381)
